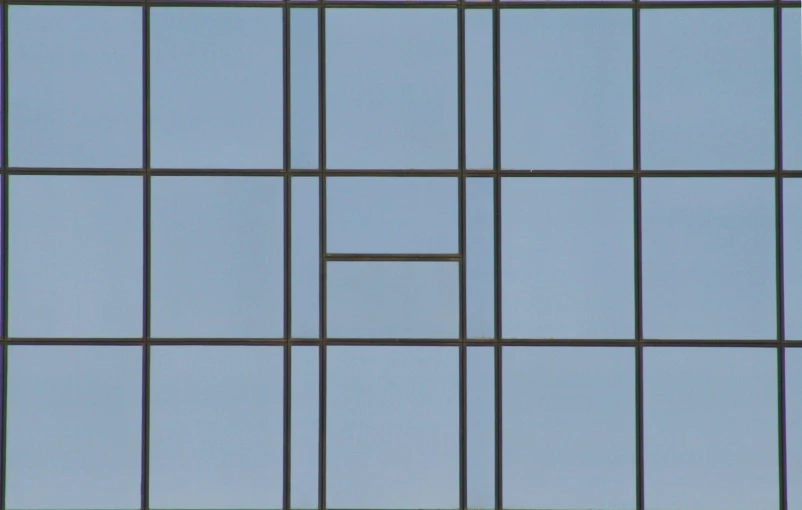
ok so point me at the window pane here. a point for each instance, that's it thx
(569, 427)
(75, 248)
(305, 423)
(480, 257)
(218, 256)
(391, 215)
(216, 427)
(74, 427)
(566, 96)
(304, 80)
(367, 125)
(710, 425)
(75, 86)
(393, 300)
(707, 89)
(305, 257)
(216, 93)
(709, 258)
(392, 427)
(481, 427)
(792, 262)
(792, 84)
(793, 425)
(567, 258)
(479, 89)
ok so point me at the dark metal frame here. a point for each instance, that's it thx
(637, 343)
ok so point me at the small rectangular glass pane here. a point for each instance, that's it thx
(707, 89)
(793, 425)
(305, 257)
(392, 427)
(569, 427)
(479, 89)
(75, 256)
(75, 86)
(391, 215)
(709, 258)
(791, 85)
(710, 425)
(792, 261)
(393, 300)
(74, 427)
(216, 88)
(372, 60)
(566, 89)
(567, 258)
(481, 425)
(304, 82)
(216, 421)
(480, 258)
(217, 257)
(305, 427)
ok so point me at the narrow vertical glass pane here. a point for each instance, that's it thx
(792, 261)
(793, 425)
(707, 89)
(305, 423)
(393, 300)
(567, 258)
(216, 92)
(709, 258)
(566, 89)
(479, 89)
(75, 86)
(391, 215)
(792, 84)
(304, 83)
(392, 427)
(75, 256)
(305, 257)
(710, 426)
(480, 257)
(481, 427)
(74, 427)
(569, 427)
(216, 427)
(372, 61)
(217, 246)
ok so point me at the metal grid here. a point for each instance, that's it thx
(461, 172)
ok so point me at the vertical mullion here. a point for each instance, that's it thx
(4, 242)
(287, 424)
(779, 263)
(497, 247)
(145, 473)
(640, 495)
(321, 40)
(463, 319)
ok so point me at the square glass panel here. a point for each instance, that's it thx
(216, 92)
(74, 427)
(216, 427)
(391, 98)
(392, 427)
(709, 258)
(566, 89)
(305, 426)
(481, 424)
(793, 425)
(75, 86)
(567, 258)
(479, 89)
(569, 427)
(217, 256)
(304, 82)
(75, 256)
(791, 85)
(792, 257)
(305, 257)
(391, 215)
(480, 257)
(707, 89)
(393, 299)
(710, 426)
